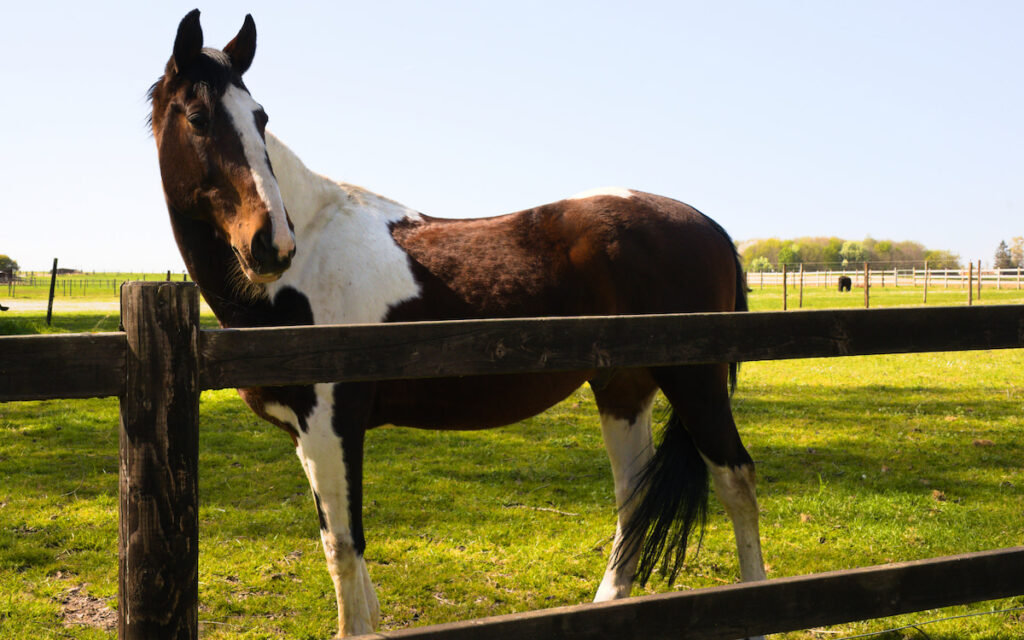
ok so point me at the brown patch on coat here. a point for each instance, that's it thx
(603, 255)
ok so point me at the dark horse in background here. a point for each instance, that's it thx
(271, 243)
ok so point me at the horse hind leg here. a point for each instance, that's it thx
(700, 396)
(700, 400)
(625, 409)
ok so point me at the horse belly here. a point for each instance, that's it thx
(472, 402)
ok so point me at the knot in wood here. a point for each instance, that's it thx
(499, 350)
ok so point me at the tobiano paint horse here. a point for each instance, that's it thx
(269, 242)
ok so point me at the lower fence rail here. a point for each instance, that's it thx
(758, 608)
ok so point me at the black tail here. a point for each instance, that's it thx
(673, 500)
(741, 305)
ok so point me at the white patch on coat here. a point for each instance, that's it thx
(629, 449)
(240, 107)
(347, 263)
(618, 192)
(282, 413)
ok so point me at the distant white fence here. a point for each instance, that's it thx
(898, 277)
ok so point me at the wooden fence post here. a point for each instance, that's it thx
(925, 282)
(867, 286)
(158, 538)
(970, 283)
(979, 280)
(784, 283)
(53, 285)
(801, 285)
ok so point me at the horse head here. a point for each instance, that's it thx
(211, 141)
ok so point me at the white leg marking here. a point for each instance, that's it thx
(629, 448)
(319, 450)
(734, 486)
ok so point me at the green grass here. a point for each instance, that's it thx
(861, 461)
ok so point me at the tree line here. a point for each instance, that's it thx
(1010, 256)
(836, 253)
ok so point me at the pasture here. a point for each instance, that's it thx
(861, 461)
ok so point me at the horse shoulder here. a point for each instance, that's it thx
(350, 267)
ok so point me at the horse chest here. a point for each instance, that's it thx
(350, 269)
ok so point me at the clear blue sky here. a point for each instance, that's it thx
(900, 120)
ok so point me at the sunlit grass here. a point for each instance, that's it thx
(861, 461)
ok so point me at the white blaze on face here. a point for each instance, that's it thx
(241, 108)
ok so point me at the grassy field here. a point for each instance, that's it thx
(76, 286)
(861, 461)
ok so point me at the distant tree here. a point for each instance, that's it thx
(767, 248)
(830, 253)
(909, 251)
(1017, 251)
(1003, 258)
(7, 264)
(942, 260)
(759, 264)
(789, 254)
(883, 253)
(852, 253)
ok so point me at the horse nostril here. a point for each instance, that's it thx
(262, 247)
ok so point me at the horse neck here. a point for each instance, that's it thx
(304, 192)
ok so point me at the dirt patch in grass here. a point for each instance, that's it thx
(79, 608)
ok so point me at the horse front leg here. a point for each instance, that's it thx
(331, 451)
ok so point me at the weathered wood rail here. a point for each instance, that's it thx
(161, 361)
(742, 610)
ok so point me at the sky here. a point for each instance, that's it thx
(894, 120)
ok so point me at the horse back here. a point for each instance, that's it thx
(597, 255)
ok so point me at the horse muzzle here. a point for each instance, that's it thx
(263, 261)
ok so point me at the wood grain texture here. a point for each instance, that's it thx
(61, 366)
(774, 606)
(158, 542)
(303, 355)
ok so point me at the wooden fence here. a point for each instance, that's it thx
(161, 361)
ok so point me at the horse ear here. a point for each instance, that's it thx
(242, 47)
(189, 41)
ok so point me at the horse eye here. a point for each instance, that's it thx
(200, 121)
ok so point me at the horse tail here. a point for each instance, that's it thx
(672, 501)
(740, 305)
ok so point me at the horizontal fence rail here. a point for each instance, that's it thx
(749, 609)
(76, 365)
(62, 366)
